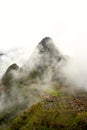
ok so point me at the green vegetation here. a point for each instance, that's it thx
(53, 92)
(52, 114)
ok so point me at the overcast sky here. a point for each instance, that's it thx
(23, 23)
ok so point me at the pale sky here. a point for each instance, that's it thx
(23, 23)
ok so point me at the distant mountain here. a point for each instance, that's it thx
(23, 86)
(43, 67)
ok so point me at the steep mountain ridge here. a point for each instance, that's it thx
(45, 58)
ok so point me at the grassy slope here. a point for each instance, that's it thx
(62, 112)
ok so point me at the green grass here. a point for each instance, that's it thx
(53, 92)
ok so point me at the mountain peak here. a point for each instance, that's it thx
(46, 40)
(7, 78)
(46, 44)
